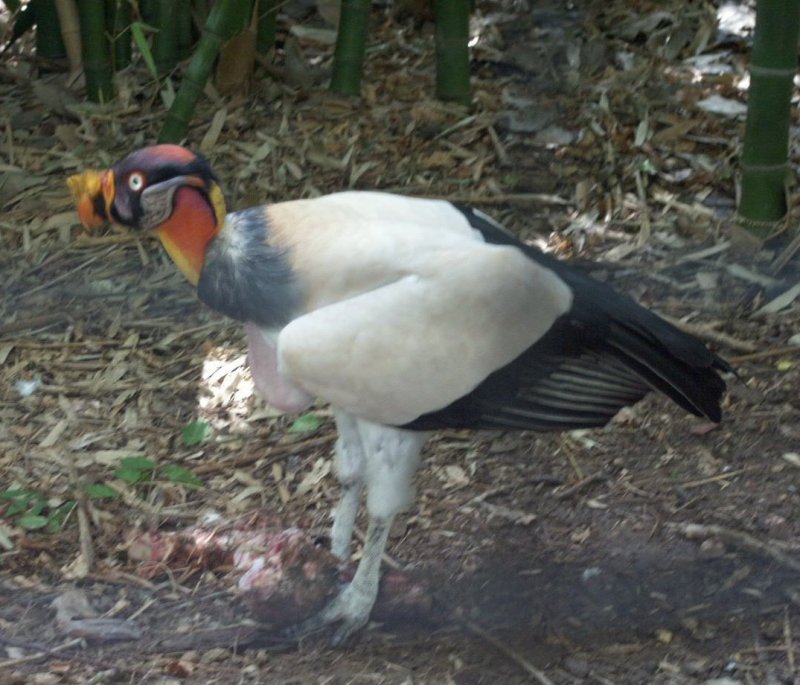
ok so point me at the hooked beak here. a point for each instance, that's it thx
(93, 193)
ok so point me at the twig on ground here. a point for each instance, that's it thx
(707, 332)
(270, 454)
(41, 653)
(508, 198)
(86, 561)
(34, 323)
(739, 539)
(783, 258)
(787, 637)
(713, 479)
(517, 658)
(580, 485)
(774, 352)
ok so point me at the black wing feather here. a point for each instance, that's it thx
(605, 353)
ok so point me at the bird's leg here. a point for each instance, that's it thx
(350, 463)
(392, 455)
(353, 605)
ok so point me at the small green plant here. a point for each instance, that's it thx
(306, 423)
(196, 432)
(141, 470)
(31, 510)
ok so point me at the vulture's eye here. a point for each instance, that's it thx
(136, 181)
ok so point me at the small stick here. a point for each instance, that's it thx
(271, 453)
(787, 636)
(706, 332)
(84, 528)
(43, 651)
(713, 479)
(517, 658)
(774, 352)
(508, 198)
(582, 483)
(34, 322)
(738, 539)
(60, 277)
(783, 258)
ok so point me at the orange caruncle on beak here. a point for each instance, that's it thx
(86, 189)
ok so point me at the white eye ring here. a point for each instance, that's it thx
(136, 182)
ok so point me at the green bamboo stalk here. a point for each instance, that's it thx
(766, 139)
(119, 20)
(226, 19)
(267, 25)
(49, 42)
(148, 11)
(351, 46)
(165, 40)
(96, 51)
(452, 50)
(185, 28)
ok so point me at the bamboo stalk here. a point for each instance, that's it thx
(96, 53)
(267, 25)
(452, 50)
(351, 46)
(165, 40)
(49, 43)
(185, 28)
(70, 34)
(236, 59)
(227, 17)
(119, 22)
(766, 140)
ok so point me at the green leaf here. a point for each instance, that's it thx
(132, 476)
(139, 463)
(179, 474)
(101, 491)
(649, 168)
(196, 432)
(137, 30)
(305, 423)
(20, 500)
(31, 522)
(15, 494)
(58, 516)
(38, 505)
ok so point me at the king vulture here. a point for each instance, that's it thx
(407, 315)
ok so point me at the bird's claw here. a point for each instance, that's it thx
(349, 608)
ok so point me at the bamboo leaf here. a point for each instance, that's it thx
(138, 32)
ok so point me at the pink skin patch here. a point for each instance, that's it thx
(262, 355)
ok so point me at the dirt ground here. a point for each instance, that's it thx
(662, 549)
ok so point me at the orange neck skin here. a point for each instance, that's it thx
(188, 232)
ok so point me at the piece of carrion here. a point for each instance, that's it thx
(283, 577)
